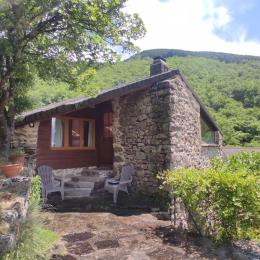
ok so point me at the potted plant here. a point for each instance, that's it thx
(10, 169)
(17, 155)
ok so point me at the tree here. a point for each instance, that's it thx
(60, 39)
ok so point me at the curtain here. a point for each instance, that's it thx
(90, 134)
(57, 132)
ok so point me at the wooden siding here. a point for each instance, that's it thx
(62, 159)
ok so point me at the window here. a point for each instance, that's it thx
(207, 133)
(108, 120)
(72, 133)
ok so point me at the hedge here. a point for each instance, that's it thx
(223, 199)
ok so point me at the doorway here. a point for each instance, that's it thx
(106, 153)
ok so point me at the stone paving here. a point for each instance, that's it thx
(100, 230)
(123, 235)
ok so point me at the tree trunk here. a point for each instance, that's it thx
(6, 122)
(5, 133)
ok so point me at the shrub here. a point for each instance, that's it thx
(223, 199)
(249, 162)
(18, 151)
(34, 239)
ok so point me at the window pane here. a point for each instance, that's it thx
(207, 134)
(74, 132)
(88, 133)
(57, 132)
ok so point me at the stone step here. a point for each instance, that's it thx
(79, 184)
(85, 182)
(77, 192)
(85, 178)
(97, 173)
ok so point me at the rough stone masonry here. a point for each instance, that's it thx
(157, 129)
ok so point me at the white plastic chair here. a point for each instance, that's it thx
(114, 185)
(48, 182)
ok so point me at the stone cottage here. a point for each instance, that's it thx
(156, 123)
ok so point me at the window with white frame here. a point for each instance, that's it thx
(72, 133)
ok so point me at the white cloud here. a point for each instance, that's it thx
(218, 16)
(188, 25)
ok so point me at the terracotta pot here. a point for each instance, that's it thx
(17, 159)
(11, 170)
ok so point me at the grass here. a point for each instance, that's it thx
(34, 238)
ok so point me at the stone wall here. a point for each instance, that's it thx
(14, 200)
(140, 128)
(184, 126)
(26, 136)
(156, 129)
(185, 129)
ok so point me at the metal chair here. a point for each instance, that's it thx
(114, 185)
(48, 182)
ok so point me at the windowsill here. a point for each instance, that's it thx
(72, 148)
(209, 145)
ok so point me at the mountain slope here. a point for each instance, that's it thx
(221, 56)
(230, 87)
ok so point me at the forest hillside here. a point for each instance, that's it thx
(228, 84)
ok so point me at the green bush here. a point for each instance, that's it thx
(34, 239)
(223, 199)
(248, 161)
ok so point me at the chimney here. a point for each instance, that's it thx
(158, 66)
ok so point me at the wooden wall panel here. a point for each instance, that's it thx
(62, 159)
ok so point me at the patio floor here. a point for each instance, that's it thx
(120, 235)
(127, 234)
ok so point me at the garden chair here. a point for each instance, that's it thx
(49, 182)
(114, 185)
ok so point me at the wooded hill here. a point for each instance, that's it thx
(228, 84)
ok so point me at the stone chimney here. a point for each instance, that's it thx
(158, 66)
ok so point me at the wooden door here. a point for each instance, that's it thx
(106, 152)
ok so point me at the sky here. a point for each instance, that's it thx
(231, 26)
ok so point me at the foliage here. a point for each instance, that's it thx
(18, 151)
(60, 40)
(225, 57)
(250, 162)
(224, 198)
(34, 239)
(36, 191)
(4, 160)
(217, 84)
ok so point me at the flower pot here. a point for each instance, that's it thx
(18, 159)
(11, 170)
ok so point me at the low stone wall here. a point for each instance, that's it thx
(82, 171)
(180, 216)
(68, 173)
(14, 201)
(26, 136)
(211, 151)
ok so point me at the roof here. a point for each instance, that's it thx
(82, 102)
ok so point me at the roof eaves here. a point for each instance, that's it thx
(63, 107)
